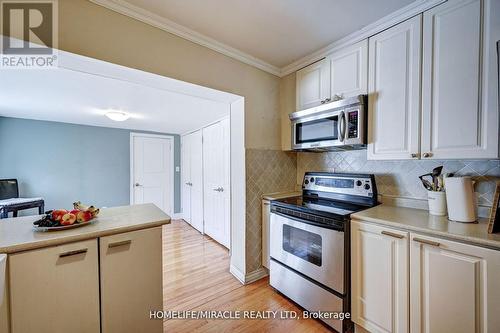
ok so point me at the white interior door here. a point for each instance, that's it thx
(196, 168)
(152, 180)
(216, 175)
(186, 177)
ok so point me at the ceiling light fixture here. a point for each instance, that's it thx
(117, 115)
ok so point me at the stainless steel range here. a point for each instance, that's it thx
(309, 241)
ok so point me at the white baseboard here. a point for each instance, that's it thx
(256, 275)
(237, 274)
(250, 277)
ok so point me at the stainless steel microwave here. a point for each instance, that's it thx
(339, 125)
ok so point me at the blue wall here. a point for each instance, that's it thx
(64, 163)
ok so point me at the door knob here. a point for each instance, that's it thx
(221, 189)
(137, 184)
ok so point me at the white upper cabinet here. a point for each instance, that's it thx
(460, 111)
(349, 71)
(313, 85)
(341, 74)
(394, 92)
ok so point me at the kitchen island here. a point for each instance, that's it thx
(103, 277)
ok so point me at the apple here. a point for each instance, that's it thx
(58, 214)
(84, 216)
(75, 211)
(68, 219)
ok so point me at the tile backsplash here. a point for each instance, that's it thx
(399, 179)
(267, 171)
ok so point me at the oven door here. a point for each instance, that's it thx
(318, 131)
(313, 251)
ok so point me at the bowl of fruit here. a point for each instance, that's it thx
(62, 219)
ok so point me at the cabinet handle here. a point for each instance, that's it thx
(391, 234)
(414, 155)
(122, 243)
(323, 101)
(427, 155)
(266, 203)
(72, 253)
(425, 241)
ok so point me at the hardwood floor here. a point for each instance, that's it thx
(196, 278)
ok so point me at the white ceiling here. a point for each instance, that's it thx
(277, 32)
(74, 96)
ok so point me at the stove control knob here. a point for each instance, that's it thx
(367, 186)
(306, 181)
(358, 183)
(312, 179)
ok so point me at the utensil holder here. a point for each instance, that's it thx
(437, 203)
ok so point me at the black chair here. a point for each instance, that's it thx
(10, 201)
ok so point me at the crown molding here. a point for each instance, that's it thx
(415, 8)
(167, 25)
(125, 8)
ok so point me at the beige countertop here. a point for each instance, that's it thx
(17, 234)
(279, 195)
(418, 220)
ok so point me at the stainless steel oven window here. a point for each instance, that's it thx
(303, 244)
(324, 129)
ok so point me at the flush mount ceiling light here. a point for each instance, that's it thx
(117, 115)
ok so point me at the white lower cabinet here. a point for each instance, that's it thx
(131, 281)
(406, 282)
(454, 287)
(55, 289)
(104, 285)
(379, 267)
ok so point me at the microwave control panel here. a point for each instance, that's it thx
(352, 121)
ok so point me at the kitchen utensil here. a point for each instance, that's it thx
(460, 199)
(437, 203)
(427, 184)
(436, 172)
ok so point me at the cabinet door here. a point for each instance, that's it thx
(186, 178)
(131, 281)
(313, 85)
(216, 173)
(266, 220)
(379, 278)
(455, 287)
(55, 289)
(394, 92)
(196, 168)
(458, 119)
(349, 70)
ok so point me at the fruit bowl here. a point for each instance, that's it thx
(61, 219)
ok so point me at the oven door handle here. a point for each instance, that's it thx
(341, 126)
(315, 224)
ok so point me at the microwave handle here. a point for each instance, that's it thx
(341, 126)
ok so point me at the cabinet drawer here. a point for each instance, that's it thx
(55, 289)
(131, 281)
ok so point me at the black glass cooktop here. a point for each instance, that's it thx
(322, 207)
